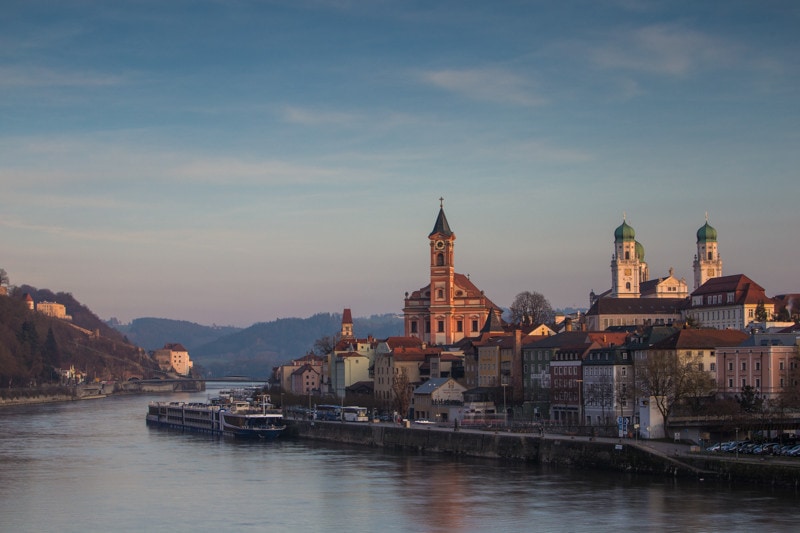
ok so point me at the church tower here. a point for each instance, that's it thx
(442, 241)
(707, 263)
(347, 325)
(450, 307)
(628, 268)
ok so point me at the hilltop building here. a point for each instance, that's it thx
(53, 309)
(450, 307)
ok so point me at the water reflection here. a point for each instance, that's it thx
(95, 466)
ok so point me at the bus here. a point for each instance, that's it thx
(328, 412)
(355, 414)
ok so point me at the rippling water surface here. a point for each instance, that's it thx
(95, 466)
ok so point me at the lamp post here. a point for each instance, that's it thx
(505, 407)
(580, 402)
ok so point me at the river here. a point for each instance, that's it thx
(95, 466)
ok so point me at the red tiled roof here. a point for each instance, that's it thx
(702, 338)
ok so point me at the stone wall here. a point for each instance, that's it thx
(595, 454)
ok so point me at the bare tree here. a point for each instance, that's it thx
(324, 345)
(531, 309)
(669, 381)
(401, 387)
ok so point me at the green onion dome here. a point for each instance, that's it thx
(706, 233)
(639, 251)
(624, 233)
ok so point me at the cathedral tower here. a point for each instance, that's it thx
(707, 263)
(628, 268)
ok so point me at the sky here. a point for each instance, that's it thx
(234, 162)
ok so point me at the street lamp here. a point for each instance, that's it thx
(505, 407)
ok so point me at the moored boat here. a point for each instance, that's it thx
(241, 419)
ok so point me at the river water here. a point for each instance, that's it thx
(95, 466)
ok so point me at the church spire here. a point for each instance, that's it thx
(441, 226)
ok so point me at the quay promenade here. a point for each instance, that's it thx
(657, 458)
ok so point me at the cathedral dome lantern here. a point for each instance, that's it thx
(624, 232)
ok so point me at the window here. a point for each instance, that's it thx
(758, 383)
(730, 383)
(413, 326)
(781, 365)
(744, 383)
(460, 326)
(730, 366)
(474, 325)
(440, 326)
(440, 294)
(712, 367)
(427, 326)
(758, 365)
(744, 366)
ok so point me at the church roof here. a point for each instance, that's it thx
(636, 306)
(493, 324)
(441, 227)
(463, 287)
(347, 316)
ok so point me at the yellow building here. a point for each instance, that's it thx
(53, 309)
(174, 357)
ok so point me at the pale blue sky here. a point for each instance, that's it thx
(232, 162)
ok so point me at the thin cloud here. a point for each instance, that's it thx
(311, 117)
(49, 77)
(669, 50)
(490, 85)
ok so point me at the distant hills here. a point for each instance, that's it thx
(253, 351)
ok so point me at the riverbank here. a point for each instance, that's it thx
(92, 391)
(618, 455)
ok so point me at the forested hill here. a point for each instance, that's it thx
(254, 351)
(34, 347)
(154, 333)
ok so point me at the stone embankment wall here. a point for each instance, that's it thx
(596, 454)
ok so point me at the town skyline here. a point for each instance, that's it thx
(234, 164)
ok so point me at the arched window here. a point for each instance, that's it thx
(628, 286)
(440, 260)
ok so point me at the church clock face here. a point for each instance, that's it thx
(710, 272)
(439, 245)
(628, 272)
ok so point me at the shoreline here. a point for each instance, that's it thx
(653, 458)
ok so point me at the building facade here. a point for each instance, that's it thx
(450, 307)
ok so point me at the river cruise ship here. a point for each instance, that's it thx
(238, 418)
